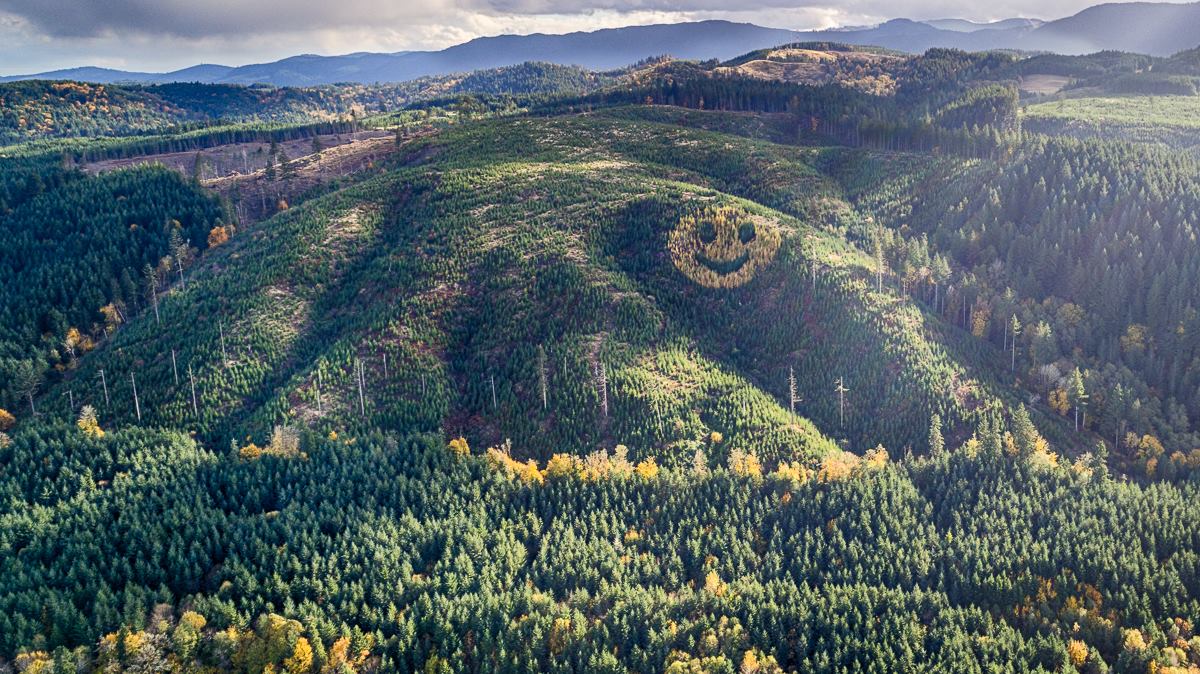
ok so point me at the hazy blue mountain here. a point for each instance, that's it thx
(1160, 29)
(89, 74)
(205, 72)
(199, 73)
(899, 34)
(598, 50)
(965, 26)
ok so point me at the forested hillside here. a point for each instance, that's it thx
(432, 268)
(37, 109)
(1092, 266)
(682, 369)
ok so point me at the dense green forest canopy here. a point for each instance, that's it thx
(672, 369)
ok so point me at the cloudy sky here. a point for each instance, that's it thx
(161, 35)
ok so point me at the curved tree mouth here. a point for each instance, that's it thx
(724, 267)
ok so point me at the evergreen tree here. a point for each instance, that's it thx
(1025, 434)
(936, 443)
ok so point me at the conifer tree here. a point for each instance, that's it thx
(1025, 434)
(936, 443)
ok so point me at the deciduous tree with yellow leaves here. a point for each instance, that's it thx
(88, 424)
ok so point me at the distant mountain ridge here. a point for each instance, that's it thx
(1159, 29)
(207, 73)
(965, 26)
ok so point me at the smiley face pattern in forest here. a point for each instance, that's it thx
(722, 246)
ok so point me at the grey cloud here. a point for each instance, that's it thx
(207, 18)
(581, 6)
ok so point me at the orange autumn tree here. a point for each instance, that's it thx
(218, 235)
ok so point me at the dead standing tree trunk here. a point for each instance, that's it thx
(136, 405)
(543, 380)
(602, 388)
(793, 393)
(362, 401)
(104, 384)
(192, 379)
(841, 391)
(318, 387)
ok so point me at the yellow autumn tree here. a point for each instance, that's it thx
(1134, 339)
(1077, 651)
(185, 639)
(274, 638)
(193, 620)
(1135, 640)
(34, 662)
(876, 458)
(112, 317)
(1192, 460)
(7, 420)
(620, 465)
(980, 316)
(601, 465)
(338, 658)
(88, 424)
(745, 464)
(1041, 456)
(714, 585)
(528, 472)
(647, 469)
(301, 659)
(1059, 401)
(679, 662)
(837, 466)
(561, 466)
(1149, 446)
(754, 661)
(459, 447)
(560, 635)
(500, 458)
(793, 473)
(285, 441)
(1149, 452)
(750, 664)
(76, 343)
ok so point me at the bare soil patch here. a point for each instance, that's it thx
(235, 159)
